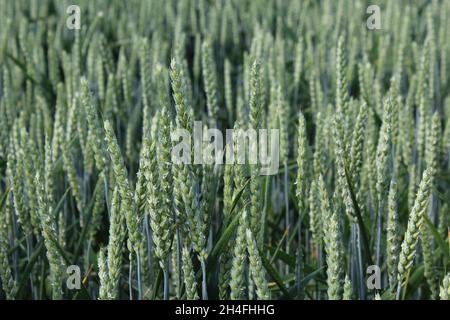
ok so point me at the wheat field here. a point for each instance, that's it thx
(93, 204)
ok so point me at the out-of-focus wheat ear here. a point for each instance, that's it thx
(48, 171)
(145, 71)
(44, 126)
(111, 107)
(100, 75)
(431, 39)
(24, 47)
(15, 175)
(161, 82)
(255, 95)
(68, 161)
(298, 63)
(322, 194)
(197, 60)
(9, 285)
(240, 105)
(315, 215)
(446, 136)
(123, 73)
(98, 208)
(228, 189)
(60, 118)
(432, 150)
(8, 282)
(88, 150)
(210, 82)
(313, 89)
(319, 146)
(176, 274)
(207, 207)
(106, 53)
(406, 132)
(178, 81)
(52, 56)
(228, 181)
(28, 167)
(76, 59)
(208, 197)
(280, 116)
(341, 90)
(37, 134)
(4, 131)
(423, 98)
(95, 127)
(371, 165)
(7, 100)
(301, 164)
(429, 261)
(412, 185)
(443, 220)
(228, 89)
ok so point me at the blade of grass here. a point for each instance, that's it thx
(362, 228)
(38, 250)
(225, 232)
(88, 219)
(274, 274)
(439, 240)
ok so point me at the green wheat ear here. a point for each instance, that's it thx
(189, 276)
(49, 233)
(332, 240)
(9, 284)
(210, 81)
(121, 176)
(103, 274)
(301, 163)
(392, 237)
(256, 268)
(347, 295)
(415, 221)
(88, 120)
(117, 233)
(444, 293)
(238, 262)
